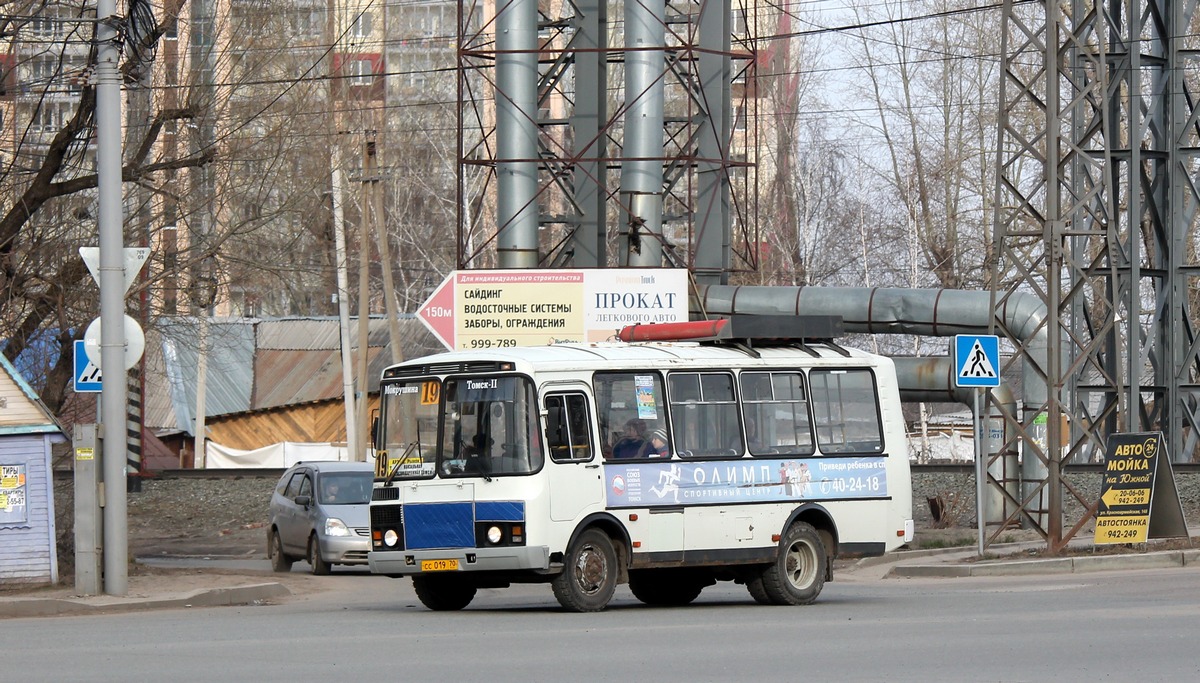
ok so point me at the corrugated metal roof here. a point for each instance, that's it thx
(319, 334)
(296, 361)
(171, 378)
(305, 376)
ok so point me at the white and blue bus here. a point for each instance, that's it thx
(755, 458)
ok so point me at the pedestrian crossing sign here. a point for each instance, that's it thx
(87, 375)
(977, 360)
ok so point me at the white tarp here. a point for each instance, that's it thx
(280, 455)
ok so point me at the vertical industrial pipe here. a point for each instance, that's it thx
(516, 133)
(713, 253)
(589, 241)
(642, 168)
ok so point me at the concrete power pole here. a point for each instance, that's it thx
(112, 297)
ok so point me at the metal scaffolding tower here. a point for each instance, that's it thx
(1096, 214)
(554, 105)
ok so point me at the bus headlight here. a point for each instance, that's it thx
(494, 535)
(390, 538)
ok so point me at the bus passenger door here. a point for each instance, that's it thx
(574, 475)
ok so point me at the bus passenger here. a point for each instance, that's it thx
(752, 440)
(659, 446)
(633, 443)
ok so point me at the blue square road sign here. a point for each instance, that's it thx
(87, 375)
(976, 360)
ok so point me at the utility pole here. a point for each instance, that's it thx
(364, 314)
(112, 297)
(374, 201)
(343, 296)
(337, 89)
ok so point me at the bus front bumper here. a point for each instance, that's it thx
(408, 562)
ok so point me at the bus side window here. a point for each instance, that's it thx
(630, 409)
(846, 409)
(568, 428)
(704, 413)
(776, 404)
(556, 429)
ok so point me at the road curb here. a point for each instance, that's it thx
(1061, 565)
(104, 604)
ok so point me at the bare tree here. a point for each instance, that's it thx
(256, 235)
(809, 201)
(47, 186)
(934, 117)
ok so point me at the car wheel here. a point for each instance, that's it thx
(798, 573)
(280, 562)
(589, 577)
(442, 594)
(319, 566)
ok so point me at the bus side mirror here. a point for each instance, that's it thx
(375, 429)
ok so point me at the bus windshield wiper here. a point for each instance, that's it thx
(399, 461)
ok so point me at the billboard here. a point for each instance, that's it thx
(486, 309)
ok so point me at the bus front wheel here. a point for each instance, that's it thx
(442, 594)
(797, 575)
(589, 576)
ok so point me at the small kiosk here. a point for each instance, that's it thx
(28, 554)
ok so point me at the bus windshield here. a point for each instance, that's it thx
(410, 418)
(488, 427)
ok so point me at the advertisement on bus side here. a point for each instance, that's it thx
(647, 484)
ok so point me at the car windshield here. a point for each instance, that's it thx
(345, 488)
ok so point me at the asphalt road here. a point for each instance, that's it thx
(1105, 626)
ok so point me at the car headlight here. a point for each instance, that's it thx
(336, 527)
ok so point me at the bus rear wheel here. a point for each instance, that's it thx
(589, 576)
(441, 594)
(664, 587)
(797, 575)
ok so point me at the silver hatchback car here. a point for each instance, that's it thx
(319, 512)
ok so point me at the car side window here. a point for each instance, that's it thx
(306, 487)
(293, 487)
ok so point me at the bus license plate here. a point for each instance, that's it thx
(439, 565)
